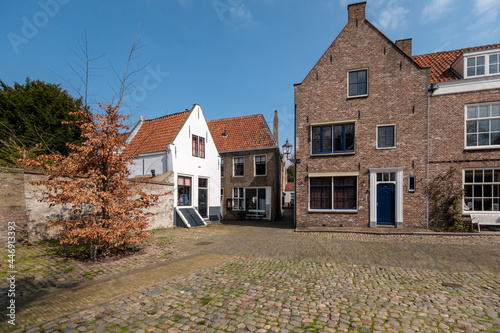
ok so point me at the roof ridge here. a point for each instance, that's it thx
(250, 115)
(458, 50)
(168, 115)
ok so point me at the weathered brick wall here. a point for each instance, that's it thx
(20, 202)
(12, 204)
(397, 94)
(272, 179)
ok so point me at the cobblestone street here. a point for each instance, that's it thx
(264, 277)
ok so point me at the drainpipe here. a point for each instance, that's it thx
(430, 90)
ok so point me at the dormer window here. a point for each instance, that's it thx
(475, 66)
(482, 63)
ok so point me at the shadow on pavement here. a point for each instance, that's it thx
(284, 222)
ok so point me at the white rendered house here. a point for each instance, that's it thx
(179, 144)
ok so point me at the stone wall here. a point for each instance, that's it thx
(20, 203)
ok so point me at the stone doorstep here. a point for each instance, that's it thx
(393, 231)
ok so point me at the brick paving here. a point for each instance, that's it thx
(264, 277)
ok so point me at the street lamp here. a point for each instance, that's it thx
(287, 149)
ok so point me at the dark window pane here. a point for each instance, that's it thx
(495, 125)
(468, 190)
(321, 193)
(349, 137)
(478, 204)
(487, 191)
(488, 176)
(484, 139)
(487, 205)
(471, 140)
(484, 126)
(478, 176)
(480, 70)
(316, 140)
(469, 176)
(480, 61)
(338, 138)
(495, 138)
(478, 191)
(471, 71)
(472, 127)
(344, 192)
(327, 139)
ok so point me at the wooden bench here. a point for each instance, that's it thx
(485, 219)
(256, 213)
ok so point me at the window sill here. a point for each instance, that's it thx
(386, 148)
(333, 211)
(333, 154)
(357, 96)
(482, 148)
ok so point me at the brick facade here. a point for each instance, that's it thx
(250, 180)
(397, 94)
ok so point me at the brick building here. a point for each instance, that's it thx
(251, 166)
(374, 124)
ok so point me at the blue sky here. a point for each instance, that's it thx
(233, 57)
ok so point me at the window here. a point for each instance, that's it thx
(483, 125)
(195, 146)
(358, 83)
(342, 140)
(484, 64)
(386, 136)
(494, 63)
(411, 183)
(198, 146)
(183, 191)
(337, 192)
(222, 166)
(238, 198)
(260, 165)
(239, 166)
(475, 66)
(202, 147)
(482, 189)
(321, 193)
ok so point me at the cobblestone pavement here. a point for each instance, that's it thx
(272, 279)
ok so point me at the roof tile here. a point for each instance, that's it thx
(244, 132)
(439, 62)
(155, 134)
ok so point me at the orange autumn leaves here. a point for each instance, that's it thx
(107, 210)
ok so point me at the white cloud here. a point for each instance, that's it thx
(486, 10)
(436, 9)
(392, 15)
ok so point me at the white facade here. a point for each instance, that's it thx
(178, 157)
(184, 164)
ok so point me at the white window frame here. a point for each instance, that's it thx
(490, 104)
(255, 165)
(367, 80)
(395, 144)
(234, 166)
(481, 53)
(239, 198)
(469, 210)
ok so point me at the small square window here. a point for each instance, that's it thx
(386, 136)
(358, 83)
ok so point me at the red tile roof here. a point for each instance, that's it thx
(289, 186)
(155, 134)
(439, 62)
(245, 132)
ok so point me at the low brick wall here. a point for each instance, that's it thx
(20, 203)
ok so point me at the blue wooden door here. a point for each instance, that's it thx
(386, 204)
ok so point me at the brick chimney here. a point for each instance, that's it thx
(404, 45)
(275, 127)
(357, 11)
